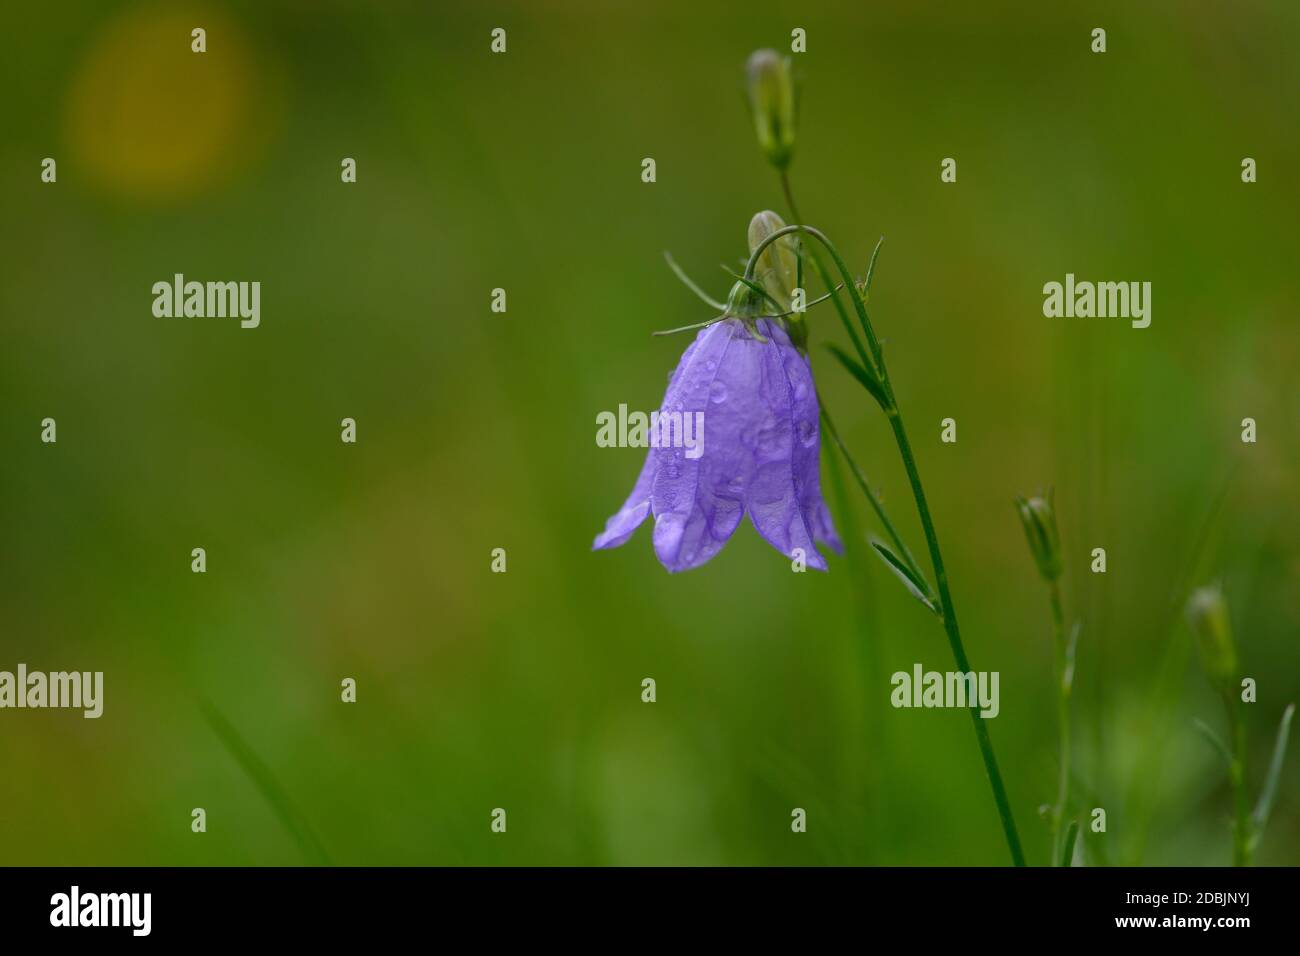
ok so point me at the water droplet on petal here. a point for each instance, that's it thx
(807, 433)
(717, 392)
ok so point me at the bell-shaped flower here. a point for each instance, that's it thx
(759, 456)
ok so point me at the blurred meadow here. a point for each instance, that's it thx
(476, 430)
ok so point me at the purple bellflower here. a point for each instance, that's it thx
(759, 454)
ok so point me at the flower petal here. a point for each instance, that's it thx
(628, 518)
(783, 431)
(806, 451)
(698, 502)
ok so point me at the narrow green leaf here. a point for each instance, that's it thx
(866, 378)
(872, 497)
(916, 586)
(1208, 733)
(1067, 856)
(686, 281)
(267, 785)
(1266, 796)
(871, 268)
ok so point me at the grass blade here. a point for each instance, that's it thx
(1208, 733)
(1266, 796)
(1067, 855)
(266, 783)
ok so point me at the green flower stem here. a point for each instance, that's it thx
(927, 523)
(1241, 827)
(1062, 718)
(903, 550)
(954, 635)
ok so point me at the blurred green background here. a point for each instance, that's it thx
(476, 430)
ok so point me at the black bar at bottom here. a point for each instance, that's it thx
(542, 904)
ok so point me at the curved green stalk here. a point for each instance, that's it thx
(825, 278)
(927, 523)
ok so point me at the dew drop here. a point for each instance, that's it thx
(717, 392)
(807, 433)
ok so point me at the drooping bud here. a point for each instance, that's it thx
(771, 99)
(778, 264)
(1039, 519)
(1207, 613)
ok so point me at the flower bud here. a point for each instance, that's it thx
(771, 98)
(1039, 519)
(1207, 613)
(778, 264)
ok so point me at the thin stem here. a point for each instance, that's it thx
(807, 305)
(727, 315)
(789, 194)
(872, 497)
(1060, 655)
(1241, 825)
(927, 524)
(954, 634)
(687, 328)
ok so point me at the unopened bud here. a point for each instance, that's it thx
(1207, 613)
(778, 264)
(771, 98)
(1039, 519)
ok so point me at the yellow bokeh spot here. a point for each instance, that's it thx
(148, 118)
